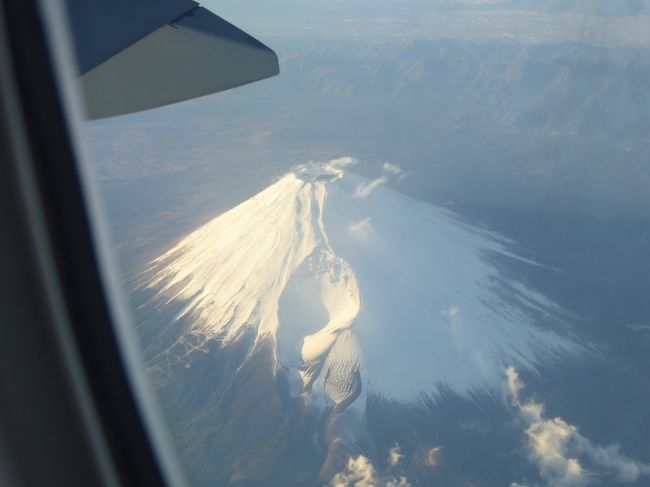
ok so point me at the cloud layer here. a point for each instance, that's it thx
(562, 455)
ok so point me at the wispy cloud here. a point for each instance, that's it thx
(401, 482)
(343, 162)
(394, 456)
(515, 385)
(361, 230)
(451, 312)
(389, 169)
(363, 190)
(359, 472)
(560, 452)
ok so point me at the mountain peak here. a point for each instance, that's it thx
(361, 289)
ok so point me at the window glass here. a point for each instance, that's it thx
(418, 256)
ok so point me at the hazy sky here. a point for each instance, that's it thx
(598, 22)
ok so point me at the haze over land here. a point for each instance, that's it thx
(621, 23)
(500, 198)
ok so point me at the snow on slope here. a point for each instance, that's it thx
(360, 287)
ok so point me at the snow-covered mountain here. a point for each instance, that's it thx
(360, 288)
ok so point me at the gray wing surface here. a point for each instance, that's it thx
(133, 55)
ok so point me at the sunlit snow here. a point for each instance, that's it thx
(377, 293)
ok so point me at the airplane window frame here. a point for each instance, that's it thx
(104, 432)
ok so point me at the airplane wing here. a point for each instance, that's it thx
(134, 55)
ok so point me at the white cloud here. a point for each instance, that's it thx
(557, 448)
(390, 168)
(361, 230)
(611, 458)
(549, 442)
(359, 472)
(451, 312)
(514, 386)
(401, 482)
(433, 456)
(394, 455)
(363, 190)
(343, 162)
